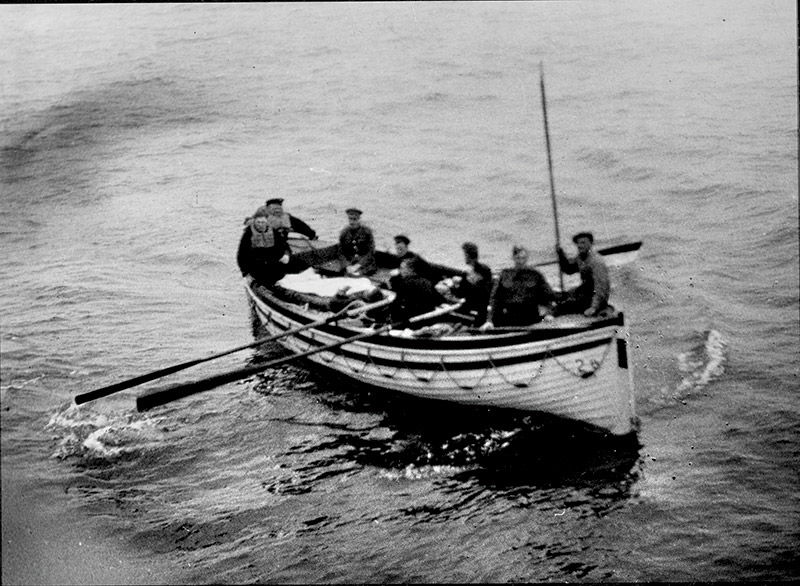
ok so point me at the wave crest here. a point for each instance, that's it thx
(703, 363)
(85, 433)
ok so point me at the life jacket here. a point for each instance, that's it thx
(265, 239)
(286, 222)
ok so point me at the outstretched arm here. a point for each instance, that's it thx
(367, 259)
(299, 226)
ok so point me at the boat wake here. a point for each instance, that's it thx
(701, 365)
(94, 436)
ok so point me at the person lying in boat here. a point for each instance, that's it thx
(591, 296)
(344, 297)
(263, 251)
(416, 293)
(517, 295)
(357, 246)
(288, 222)
(474, 286)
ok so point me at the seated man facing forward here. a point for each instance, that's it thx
(591, 296)
(517, 295)
(357, 246)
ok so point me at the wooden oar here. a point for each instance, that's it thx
(162, 372)
(162, 397)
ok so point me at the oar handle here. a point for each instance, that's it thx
(180, 391)
(348, 310)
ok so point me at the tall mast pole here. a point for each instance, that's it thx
(550, 169)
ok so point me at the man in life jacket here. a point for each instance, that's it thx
(288, 222)
(591, 296)
(357, 246)
(263, 253)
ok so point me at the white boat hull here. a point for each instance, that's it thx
(583, 375)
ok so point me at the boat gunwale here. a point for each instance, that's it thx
(476, 342)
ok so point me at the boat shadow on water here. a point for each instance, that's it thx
(501, 449)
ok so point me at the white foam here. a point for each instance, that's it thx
(93, 443)
(414, 472)
(83, 430)
(706, 368)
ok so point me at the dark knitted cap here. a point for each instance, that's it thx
(583, 235)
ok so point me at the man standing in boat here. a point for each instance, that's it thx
(263, 251)
(357, 246)
(591, 296)
(288, 222)
(517, 295)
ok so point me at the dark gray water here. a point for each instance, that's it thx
(136, 138)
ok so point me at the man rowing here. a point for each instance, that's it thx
(474, 286)
(591, 296)
(401, 246)
(416, 293)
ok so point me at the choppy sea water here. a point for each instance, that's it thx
(136, 138)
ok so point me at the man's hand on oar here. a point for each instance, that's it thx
(157, 398)
(348, 311)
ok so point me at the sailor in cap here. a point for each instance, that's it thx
(591, 296)
(401, 244)
(288, 222)
(357, 246)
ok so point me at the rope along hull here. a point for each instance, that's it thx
(582, 374)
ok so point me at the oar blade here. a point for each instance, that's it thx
(150, 376)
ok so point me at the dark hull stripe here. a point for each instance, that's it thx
(476, 364)
(490, 343)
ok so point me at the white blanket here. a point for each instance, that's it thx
(310, 282)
